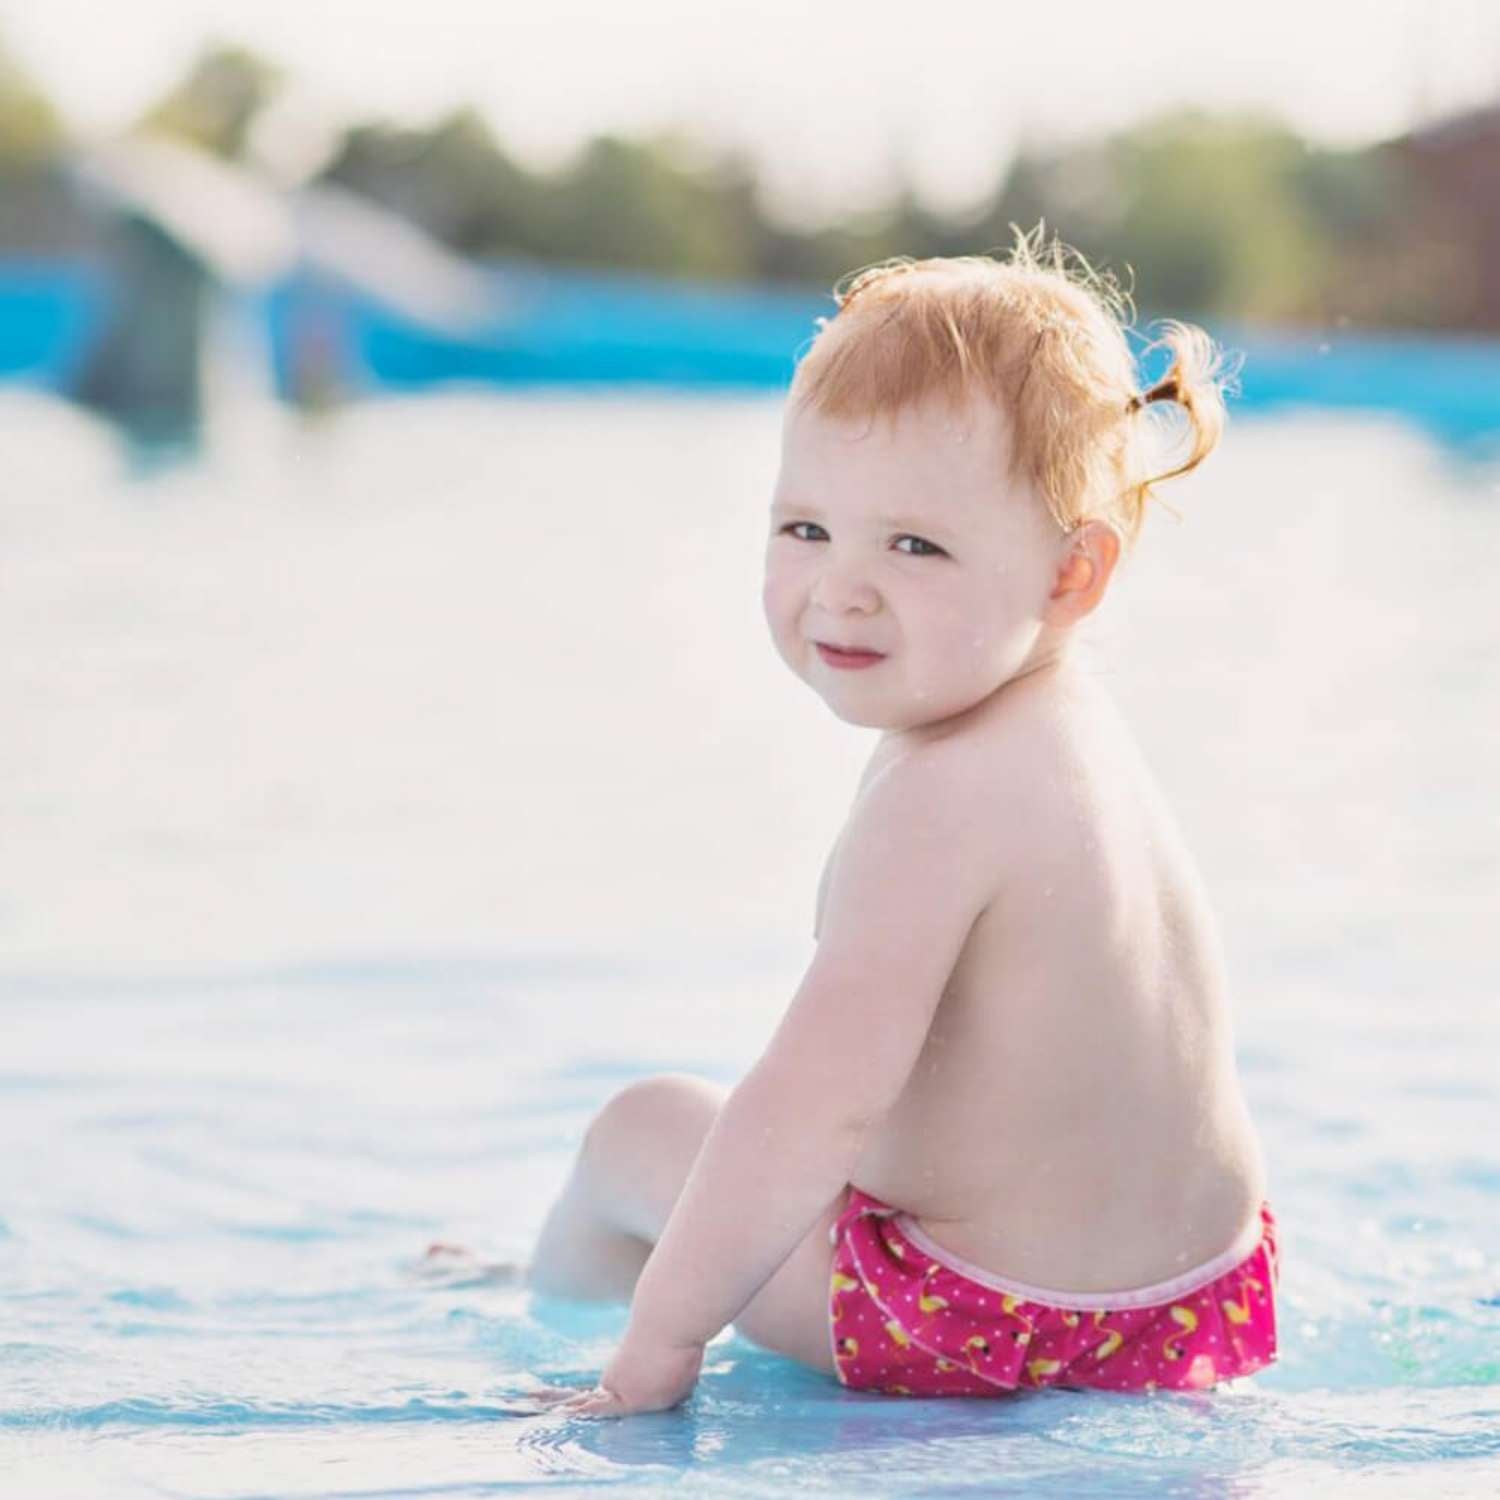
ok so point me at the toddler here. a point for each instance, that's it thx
(997, 1141)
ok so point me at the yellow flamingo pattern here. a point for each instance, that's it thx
(1171, 1346)
(1237, 1309)
(1113, 1337)
(928, 1301)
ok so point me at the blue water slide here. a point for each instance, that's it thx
(574, 327)
(50, 312)
(564, 326)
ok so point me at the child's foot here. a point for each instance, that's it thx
(457, 1265)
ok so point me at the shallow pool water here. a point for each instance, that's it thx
(380, 799)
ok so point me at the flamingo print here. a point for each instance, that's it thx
(1111, 1343)
(929, 1302)
(1170, 1347)
(1238, 1311)
(1012, 1305)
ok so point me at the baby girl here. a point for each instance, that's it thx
(997, 1141)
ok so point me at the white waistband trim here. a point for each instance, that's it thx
(1142, 1296)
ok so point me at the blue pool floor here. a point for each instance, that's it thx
(212, 1237)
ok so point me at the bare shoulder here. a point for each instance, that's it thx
(1013, 763)
(911, 870)
(1059, 780)
(987, 794)
(954, 805)
(928, 785)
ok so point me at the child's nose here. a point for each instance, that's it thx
(842, 585)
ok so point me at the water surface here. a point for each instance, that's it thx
(380, 797)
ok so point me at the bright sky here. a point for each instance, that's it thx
(831, 98)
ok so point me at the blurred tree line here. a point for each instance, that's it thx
(1209, 215)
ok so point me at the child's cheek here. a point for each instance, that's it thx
(786, 612)
(782, 578)
(778, 605)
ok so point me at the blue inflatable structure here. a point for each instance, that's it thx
(561, 326)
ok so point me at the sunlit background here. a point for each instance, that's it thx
(396, 762)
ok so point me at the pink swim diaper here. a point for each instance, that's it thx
(908, 1318)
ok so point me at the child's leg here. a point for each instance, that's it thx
(635, 1157)
(580, 1254)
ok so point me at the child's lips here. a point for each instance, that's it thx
(836, 657)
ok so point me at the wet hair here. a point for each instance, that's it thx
(1045, 338)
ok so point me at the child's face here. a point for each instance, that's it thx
(858, 511)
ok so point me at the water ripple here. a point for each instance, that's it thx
(144, 1413)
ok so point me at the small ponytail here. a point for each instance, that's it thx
(1164, 390)
(1196, 380)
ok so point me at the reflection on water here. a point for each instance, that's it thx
(379, 797)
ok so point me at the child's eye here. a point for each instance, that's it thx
(930, 549)
(920, 548)
(793, 525)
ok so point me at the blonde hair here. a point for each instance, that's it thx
(1045, 340)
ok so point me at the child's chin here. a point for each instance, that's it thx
(868, 719)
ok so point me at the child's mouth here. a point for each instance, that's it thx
(849, 659)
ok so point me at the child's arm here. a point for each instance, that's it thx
(913, 872)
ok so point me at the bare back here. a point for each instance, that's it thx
(1074, 1118)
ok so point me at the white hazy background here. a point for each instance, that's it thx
(834, 101)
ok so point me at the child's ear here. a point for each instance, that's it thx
(1083, 573)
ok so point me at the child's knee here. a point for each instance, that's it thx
(671, 1104)
(641, 1146)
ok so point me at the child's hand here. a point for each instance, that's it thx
(640, 1377)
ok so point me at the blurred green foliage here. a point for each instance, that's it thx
(216, 102)
(34, 212)
(1211, 215)
(30, 130)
